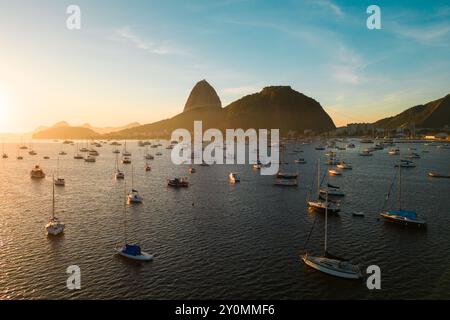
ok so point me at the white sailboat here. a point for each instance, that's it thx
(59, 181)
(125, 152)
(133, 195)
(332, 266)
(319, 205)
(117, 173)
(54, 225)
(131, 251)
(4, 155)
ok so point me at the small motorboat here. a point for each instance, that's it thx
(437, 175)
(300, 161)
(84, 149)
(191, 170)
(320, 148)
(60, 182)
(62, 153)
(365, 153)
(394, 151)
(126, 160)
(134, 252)
(345, 166)
(234, 177)
(149, 157)
(159, 153)
(287, 175)
(4, 156)
(117, 151)
(147, 167)
(46, 157)
(19, 158)
(93, 152)
(334, 172)
(78, 156)
(178, 183)
(37, 173)
(89, 158)
(350, 146)
(358, 214)
(134, 197)
(32, 153)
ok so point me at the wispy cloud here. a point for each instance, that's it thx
(331, 6)
(127, 34)
(436, 34)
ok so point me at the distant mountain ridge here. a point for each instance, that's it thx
(63, 130)
(275, 107)
(434, 114)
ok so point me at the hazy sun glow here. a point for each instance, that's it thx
(4, 112)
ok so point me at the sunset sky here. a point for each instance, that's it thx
(138, 60)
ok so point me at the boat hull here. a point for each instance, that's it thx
(333, 267)
(144, 256)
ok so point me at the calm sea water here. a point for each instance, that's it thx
(213, 240)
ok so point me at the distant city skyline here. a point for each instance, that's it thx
(138, 61)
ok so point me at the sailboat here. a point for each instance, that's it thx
(19, 156)
(54, 225)
(4, 155)
(59, 181)
(399, 215)
(131, 251)
(320, 205)
(125, 152)
(331, 265)
(134, 196)
(117, 173)
(148, 156)
(285, 178)
(77, 155)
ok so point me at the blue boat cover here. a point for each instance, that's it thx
(403, 213)
(132, 249)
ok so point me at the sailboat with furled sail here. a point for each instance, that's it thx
(54, 225)
(134, 196)
(405, 217)
(328, 263)
(284, 178)
(4, 155)
(320, 205)
(118, 174)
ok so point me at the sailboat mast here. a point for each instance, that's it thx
(125, 214)
(318, 177)
(399, 190)
(53, 197)
(132, 177)
(326, 221)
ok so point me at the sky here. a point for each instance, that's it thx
(138, 60)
